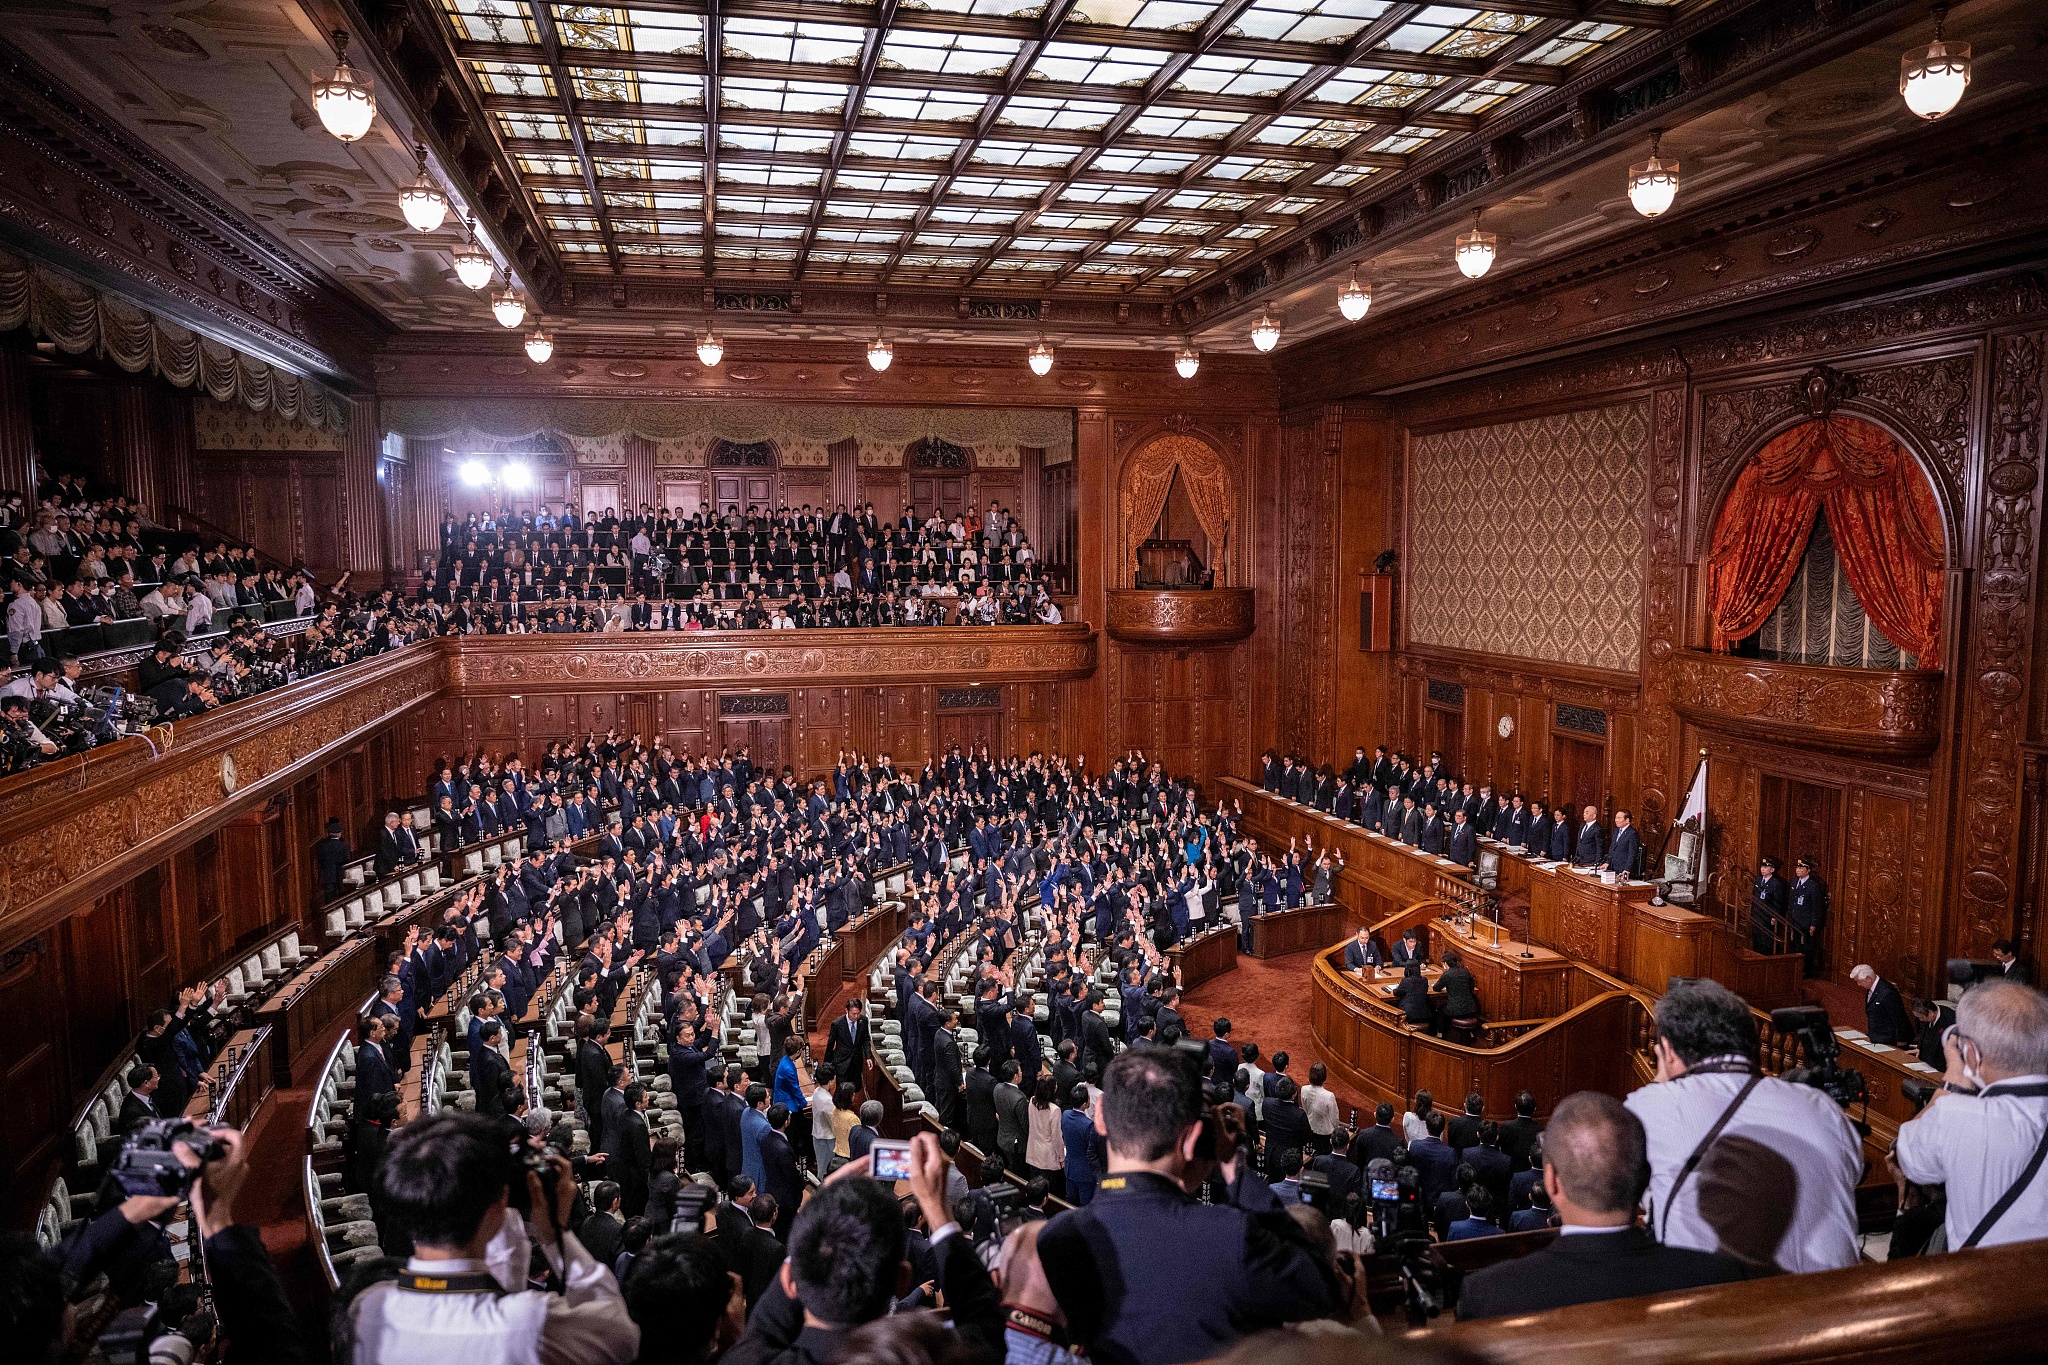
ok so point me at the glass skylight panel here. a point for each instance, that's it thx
(840, 208)
(1099, 266)
(765, 175)
(1402, 142)
(1574, 43)
(1239, 75)
(887, 102)
(582, 248)
(1141, 163)
(1169, 121)
(1025, 111)
(610, 85)
(1348, 175)
(1472, 101)
(1296, 206)
(1048, 244)
(1379, 89)
(1250, 168)
(1153, 14)
(805, 43)
(648, 30)
(575, 197)
(629, 224)
(1150, 249)
(1248, 232)
(659, 87)
(759, 230)
(1088, 64)
(1022, 154)
(512, 78)
(1104, 194)
(779, 141)
(1212, 253)
(690, 249)
(951, 54)
(490, 21)
(1068, 222)
(757, 203)
(1211, 199)
(1295, 131)
(1175, 272)
(996, 187)
(664, 202)
(858, 236)
(899, 182)
(961, 213)
(565, 223)
(1186, 227)
(899, 147)
(785, 97)
(543, 127)
(923, 261)
(1458, 32)
(956, 241)
(1309, 21)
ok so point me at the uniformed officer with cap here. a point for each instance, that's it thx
(1145, 1274)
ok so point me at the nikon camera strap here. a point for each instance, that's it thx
(467, 1282)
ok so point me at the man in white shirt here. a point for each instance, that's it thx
(1320, 1105)
(199, 615)
(25, 619)
(1985, 1133)
(445, 1178)
(1776, 1185)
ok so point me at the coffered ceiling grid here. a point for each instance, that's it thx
(1129, 146)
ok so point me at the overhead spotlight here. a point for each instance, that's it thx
(1933, 78)
(1039, 357)
(1653, 184)
(710, 349)
(508, 307)
(880, 353)
(540, 345)
(1187, 362)
(473, 265)
(345, 101)
(1353, 299)
(1265, 334)
(1476, 250)
(518, 476)
(474, 473)
(422, 202)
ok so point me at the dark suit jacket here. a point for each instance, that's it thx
(1286, 1126)
(1590, 1268)
(778, 1164)
(946, 1076)
(1435, 1163)
(1884, 1015)
(134, 1109)
(1372, 1142)
(1625, 851)
(845, 1048)
(1518, 1139)
(981, 1110)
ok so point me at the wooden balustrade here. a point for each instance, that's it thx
(238, 1083)
(1297, 930)
(1205, 956)
(306, 1004)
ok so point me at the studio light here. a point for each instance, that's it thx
(1932, 79)
(345, 101)
(710, 349)
(518, 477)
(1653, 184)
(475, 473)
(1265, 335)
(422, 202)
(1187, 362)
(1039, 357)
(1476, 250)
(473, 265)
(1353, 299)
(508, 307)
(880, 353)
(540, 344)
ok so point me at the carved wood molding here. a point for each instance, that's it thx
(1663, 607)
(1141, 617)
(1871, 712)
(483, 664)
(1553, 682)
(74, 829)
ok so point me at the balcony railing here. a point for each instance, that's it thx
(1880, 713)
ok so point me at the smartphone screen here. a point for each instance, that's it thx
(1386, 1189)
(891, 1158)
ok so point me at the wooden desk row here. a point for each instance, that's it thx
(1299, 930)
(1205, 956)
(306, 1004)
(1609, 925)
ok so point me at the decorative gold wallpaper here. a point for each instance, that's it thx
(1526, 538)
(231, 426)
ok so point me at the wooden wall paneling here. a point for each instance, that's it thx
(548, 715)
(17, 425)
(686, 720)
(887, 489)
(823, 728)
(35, 1068)
(904, 729)
(98, 986)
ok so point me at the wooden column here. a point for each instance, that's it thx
(17, 435)
(133, 459)
(365, 548)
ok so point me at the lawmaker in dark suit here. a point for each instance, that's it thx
(946, 1079)
(138, 1105)
(846, 1045)
(1626, 850)
(1363, 952)
(373, 1070)
(1411, 993)
(980, 1097)
(490, 1075)
(2010, 968)
(1884, 1012)
(781, 1177)
(1595, 1170)
(629, 1153)
(1587, 850)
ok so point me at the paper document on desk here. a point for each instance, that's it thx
(1922, 1066)
(1869, 1046)
(1850, 1034)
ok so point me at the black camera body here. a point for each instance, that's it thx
(148, 1165)
(1846, 1086)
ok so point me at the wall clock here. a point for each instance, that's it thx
(1506, 726)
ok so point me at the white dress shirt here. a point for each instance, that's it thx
(1977, 1145)
(586, 1324)
(1797, 1123)
(1321, 1106)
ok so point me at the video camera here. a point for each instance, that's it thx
(1810, 1024)
(149, 1165)
(1400, 1229)
(522, 1156)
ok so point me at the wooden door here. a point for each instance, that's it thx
(727, 491)
(682, 497)
(1802, 820)
(760, 489)
(971, 730)
(1578, 773)
(765, 738)
(597, 497)
(1446, 729)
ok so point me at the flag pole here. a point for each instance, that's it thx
(1678, 822)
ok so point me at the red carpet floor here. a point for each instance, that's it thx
(1266, 1003)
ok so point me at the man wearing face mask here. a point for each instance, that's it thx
(1984, 1135)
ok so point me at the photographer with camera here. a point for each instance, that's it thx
(1752, 1165)
(449, 1180)
(1984, 1134)
(1144, 1274)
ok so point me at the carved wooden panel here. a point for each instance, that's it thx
(1144, 617)
(1849, 710)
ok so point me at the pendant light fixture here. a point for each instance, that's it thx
(422, 202)
(473, 265)
(508, 307)
(1187, 362)
(1653, 184)
(1039, 357)
(1265, 334)
(1354, 298)
(880, 354)
(540, 345)
(345, 101)
(1932, 79)
(1476, 250)
(710, 349)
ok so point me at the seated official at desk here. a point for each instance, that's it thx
(1461, 992)
(1411, 993)
(1364, 951)
(1407, 950)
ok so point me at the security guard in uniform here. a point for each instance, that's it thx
(1145, 1275)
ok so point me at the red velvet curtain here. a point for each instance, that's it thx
(1886, 525)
